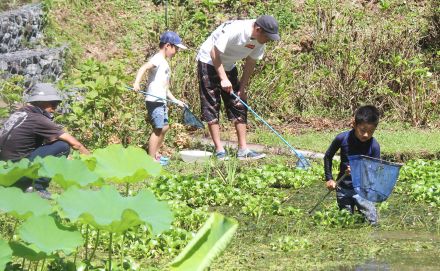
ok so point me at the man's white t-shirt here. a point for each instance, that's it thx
(233, 40)
(158, 79)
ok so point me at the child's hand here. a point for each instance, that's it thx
(348, 171)
(330, 184)
(181, 104)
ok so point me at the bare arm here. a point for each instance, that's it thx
(216, 60)
(74, 143)
(248, 69)
(140, 74)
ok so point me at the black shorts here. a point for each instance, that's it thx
(211, 94)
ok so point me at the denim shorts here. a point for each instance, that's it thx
(157, 113)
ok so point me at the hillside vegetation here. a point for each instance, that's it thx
(333, 57)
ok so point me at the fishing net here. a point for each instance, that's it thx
(191, 120)
(373, 179)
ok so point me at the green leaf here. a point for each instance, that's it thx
(209, 242)
(152, 211)
(5, 254)
(68, 172)
(42, 232)
(29, 252)
(22, 205)
(125, 165)
(108, 210)
(12, 172)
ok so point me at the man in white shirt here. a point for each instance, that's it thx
(218, 76)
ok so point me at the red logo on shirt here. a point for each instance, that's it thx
(250, 46)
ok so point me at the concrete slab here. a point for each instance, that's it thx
(263, 148)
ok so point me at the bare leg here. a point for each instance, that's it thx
(156, 140)
(214, 131)
(240, 128)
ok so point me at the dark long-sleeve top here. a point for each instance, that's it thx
(349, 144)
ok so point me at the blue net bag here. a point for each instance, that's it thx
(373, 179)
(191, 120)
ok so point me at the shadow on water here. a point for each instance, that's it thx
(411, 259)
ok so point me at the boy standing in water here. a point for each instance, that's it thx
(158, 90)
(358, 141)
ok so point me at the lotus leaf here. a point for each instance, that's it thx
(29, 252)
(5, 254)
(209, 242)
(152, 211)
(108, 210)
(43, 232)
(67, 172)
(125, 165)
(22, 205)
(11, 172)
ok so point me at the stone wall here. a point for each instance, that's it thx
(39, 65)
(20, 29)
(20, 52)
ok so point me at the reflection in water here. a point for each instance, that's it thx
(368, 266)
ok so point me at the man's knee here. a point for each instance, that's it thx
(63, 148)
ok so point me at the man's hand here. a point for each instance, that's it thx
(226, 85)
(242, 94)
(136, 87)
(330, 184)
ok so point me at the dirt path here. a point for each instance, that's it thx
(263, 148)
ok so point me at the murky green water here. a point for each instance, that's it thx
(407, 251)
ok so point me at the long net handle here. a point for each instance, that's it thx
(323, 198)
(302, 159)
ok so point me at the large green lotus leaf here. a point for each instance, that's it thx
(11, 172)
(29, 252)
(22, 205)
(209, 242)
(108, 210)
(151, 211)
(43, 232)
(125, 165)
(5, 254)
(68, 172)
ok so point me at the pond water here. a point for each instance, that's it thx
(415, 255)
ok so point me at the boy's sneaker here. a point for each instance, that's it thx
(248, 154)
(164, 161)
(222, 155)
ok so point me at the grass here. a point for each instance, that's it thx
(396, 140)
(12, 4)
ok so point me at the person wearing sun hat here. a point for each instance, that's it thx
(30, 132)
(158, 91)
(218, 77)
